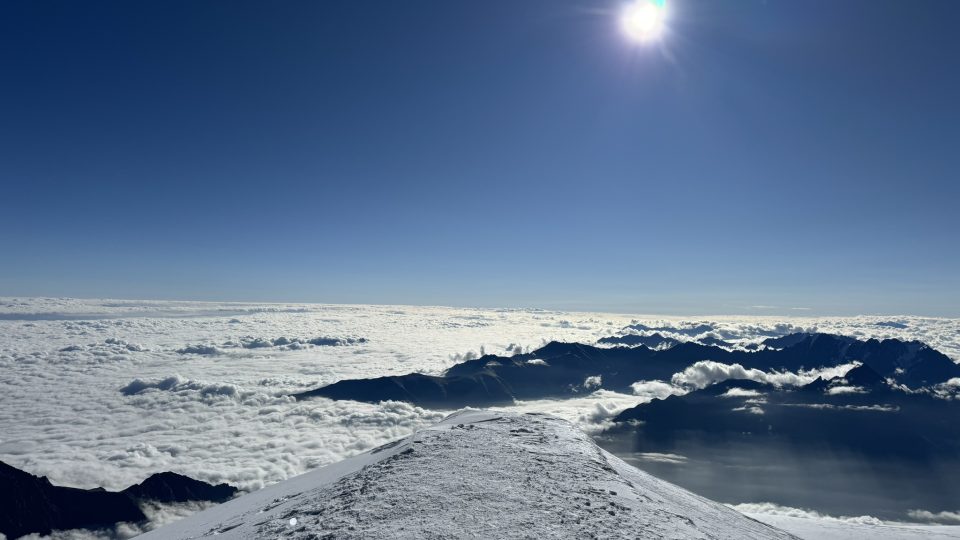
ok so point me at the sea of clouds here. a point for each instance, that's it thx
(106, 392)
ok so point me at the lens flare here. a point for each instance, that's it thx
(643, 20)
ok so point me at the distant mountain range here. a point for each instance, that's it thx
(563, 370)
(31, 504)
(659, 341)
(859, 411)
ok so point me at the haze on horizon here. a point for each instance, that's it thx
(759, 157)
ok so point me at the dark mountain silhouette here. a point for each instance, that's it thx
(788, 340)
(865, 377)
(691, 331)
(493, 380)
(857, 412)
(31, 504)
(713, 341)
(652, 341)
(560, 370)
(909, 362)
(892, 324)
(818, 386)
(656, 341)
(169, 487)
(423, 390)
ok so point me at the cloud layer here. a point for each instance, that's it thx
(105, 392)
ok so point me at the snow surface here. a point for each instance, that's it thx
(477, 474)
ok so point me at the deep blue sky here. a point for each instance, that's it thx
(796, 154)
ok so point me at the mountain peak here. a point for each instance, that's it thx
(171, 487)
(864, 375)
(476, 474)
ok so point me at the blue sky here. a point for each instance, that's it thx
(499, 153)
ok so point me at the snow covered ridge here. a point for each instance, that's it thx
(476, 474)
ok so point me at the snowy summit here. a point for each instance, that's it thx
(476, 474)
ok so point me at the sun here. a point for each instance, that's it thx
(643, 20)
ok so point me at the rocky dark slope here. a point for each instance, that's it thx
(31, 504)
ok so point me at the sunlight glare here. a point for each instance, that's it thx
(643, 20)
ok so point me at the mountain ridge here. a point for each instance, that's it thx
(561, 370)
(476, 474)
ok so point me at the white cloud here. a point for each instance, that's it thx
(675, 459)
(593, 382)
(655, 389)
(706, 372)
(768, 508)
(829, 406)
(740, 392)
(935, 517)
(752, 409)
(200, 349)
(592, 412)
(947, 390)
(839, 390)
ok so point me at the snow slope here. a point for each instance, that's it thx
(476, 474)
